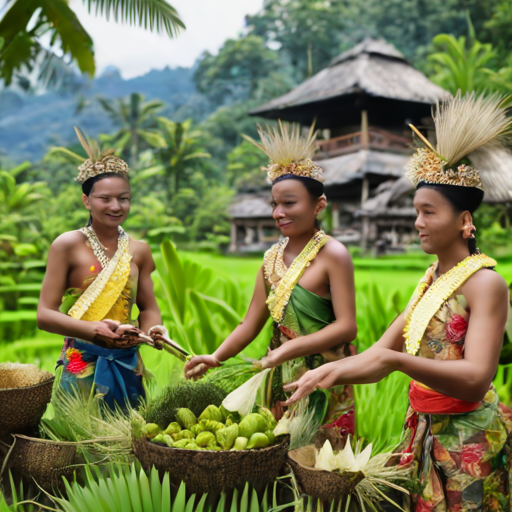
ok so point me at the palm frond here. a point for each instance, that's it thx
(155, 15)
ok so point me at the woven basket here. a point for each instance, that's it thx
(213, 471)
(43, 460)
(325, 485)
(25, 391)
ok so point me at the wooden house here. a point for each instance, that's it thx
(362, 104)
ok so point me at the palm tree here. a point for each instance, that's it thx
(26, 22)
(135, 117)
(178, 145)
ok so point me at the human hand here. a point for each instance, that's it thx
(271, 360)
(159, 334)
(199, 365)
(104, 333)
(311, 380)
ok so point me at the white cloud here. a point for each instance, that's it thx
(135, 51)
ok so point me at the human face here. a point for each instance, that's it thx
(294, 210)
(439, 225)
(109, 201)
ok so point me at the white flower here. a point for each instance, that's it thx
(283, 427)
(325, 458)
(242, 399)
(347, 461)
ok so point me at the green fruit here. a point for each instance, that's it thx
(212, 412)
(197, 429)
(240, 443)
(271, 436)
(269, 417)
(191, 446)
(251, 424)
(158, 439)
(186, 418)
(196, 396)
(212, 425)
(150, 429)
(183, 434)
(168, 440)
(181, 443)
(173, 428)
(258, 440)
(205, 438)
(226, 436)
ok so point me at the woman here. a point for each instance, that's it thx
(94, 276)
(456, 431)
(306, 282)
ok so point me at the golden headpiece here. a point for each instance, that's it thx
(471, 132)
(98, 163)
(289, 152)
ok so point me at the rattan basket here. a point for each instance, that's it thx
(25, 391)
(43, 460)
(213, 471)
(325, 485)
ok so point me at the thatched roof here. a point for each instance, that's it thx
(251, 206)
(345, 168)
(373, 67)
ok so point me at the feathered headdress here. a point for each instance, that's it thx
(98, 163)
(289, 152)
(471, 134)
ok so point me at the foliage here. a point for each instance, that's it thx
(234, 73)
(28, 24)
(131, 489)
(461, 63)
(196, 396)
(244, 169)
(135, 118)
(177, 147)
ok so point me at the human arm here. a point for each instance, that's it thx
(243, 334)
(340, 274)
(466, 379)
(149, 312)
(49, 318)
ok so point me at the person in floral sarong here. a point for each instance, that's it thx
(456, 431)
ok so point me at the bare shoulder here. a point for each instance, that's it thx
(67, 241)
(335, 252)
(142, 255)
(485, 284)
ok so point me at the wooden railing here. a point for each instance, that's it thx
(377, 139)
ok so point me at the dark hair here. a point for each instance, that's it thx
(461, 199)
(88, 185)
(314, 187)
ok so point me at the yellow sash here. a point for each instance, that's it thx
(425, 304)
(280, 295)
(97, 300)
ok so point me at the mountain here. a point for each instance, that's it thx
(30, 124)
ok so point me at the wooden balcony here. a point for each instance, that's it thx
(376, 139)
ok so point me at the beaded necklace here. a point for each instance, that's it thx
(425, 303)
(98, 248)
(282, 280)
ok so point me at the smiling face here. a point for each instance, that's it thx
(294, 209)
(109, 201)
(439, 225)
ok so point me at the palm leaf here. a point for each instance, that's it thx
(150, 14)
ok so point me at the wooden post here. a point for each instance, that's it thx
(232, 245)
(365, 191)
(335, 216)
(365, 136)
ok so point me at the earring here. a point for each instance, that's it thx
(468, 231)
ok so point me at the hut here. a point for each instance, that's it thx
(362, 104)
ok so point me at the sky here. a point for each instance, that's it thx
(136, 51)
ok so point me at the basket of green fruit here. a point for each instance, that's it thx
(213, 451)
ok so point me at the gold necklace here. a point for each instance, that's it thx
(98, 248)
(427, 300)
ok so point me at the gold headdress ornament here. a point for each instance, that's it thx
(98, 163)
(471, 132)
(289, 152)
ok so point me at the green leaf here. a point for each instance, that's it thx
(134, 490)
(145, 492)
(166, 493)
(179, 503)
(156, 490)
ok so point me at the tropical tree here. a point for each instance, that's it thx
(177, 147)
(135, 117)
(27, 25)
(462, 63)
